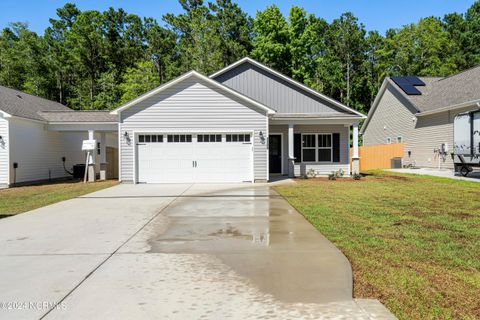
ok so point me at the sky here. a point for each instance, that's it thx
(374, 14)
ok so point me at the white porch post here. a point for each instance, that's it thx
(291, 156)
(91, 160)
(103, 156)
(355, 158)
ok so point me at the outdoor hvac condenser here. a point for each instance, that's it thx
(466, 136)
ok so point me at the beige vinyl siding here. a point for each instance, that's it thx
(4, 148)
(196, 106)
(39, 152)
(320, 168)
(421, 135)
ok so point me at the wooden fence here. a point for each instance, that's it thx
(378, 156)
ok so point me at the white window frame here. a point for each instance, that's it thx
(399, 138)
(317, 147)
(389, 140)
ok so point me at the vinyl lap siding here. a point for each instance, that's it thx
(421, 136)
(320, 168)
(189, 106)
(272, 91)
(4, 147)
(39, 152)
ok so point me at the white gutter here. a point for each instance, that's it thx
(5, 115)
(449, 108)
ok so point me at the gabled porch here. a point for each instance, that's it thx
(298, 144)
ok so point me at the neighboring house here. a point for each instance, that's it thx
(246, 122)
(36, 133)
(421, 115)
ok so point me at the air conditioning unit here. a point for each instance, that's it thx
(396, 163)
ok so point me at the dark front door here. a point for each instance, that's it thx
(275, 153)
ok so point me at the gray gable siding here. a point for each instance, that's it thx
(188, 106)
(273, 91)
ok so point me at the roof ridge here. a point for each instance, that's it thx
(287, 78)
(459, 73)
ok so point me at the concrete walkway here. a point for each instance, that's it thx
(174, 252)
(473, 176)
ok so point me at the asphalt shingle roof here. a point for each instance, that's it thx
(21, 104)
(445, 92)
(24, 105)
(78, 116)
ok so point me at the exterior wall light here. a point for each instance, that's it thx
(127, 137)
(262, 137)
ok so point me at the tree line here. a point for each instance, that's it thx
(99, 60)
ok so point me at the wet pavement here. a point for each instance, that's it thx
(177, 252)
(263, 239)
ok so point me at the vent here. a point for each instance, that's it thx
(408, 84)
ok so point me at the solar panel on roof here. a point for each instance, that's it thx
(407, 84)
(400, 80)
(415, 81)
(410, 90)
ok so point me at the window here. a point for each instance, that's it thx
(150, 138)
(317, 148)
(238, 138)
(399, 139)
(389, 140)
(325, 147)
(309, 145)
(179, 138)
(98, 148)
(209, 138)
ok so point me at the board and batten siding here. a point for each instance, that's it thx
(322, 168)
(4, 152)
(39, 152)
(420, 135)
(192, 105)
(273, 91)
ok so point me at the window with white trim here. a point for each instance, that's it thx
(324, 148)
(150, 138)
(237, 138)
(209, 138)
(399, 139)
(317, 147)
(389, 140)
(179, 138)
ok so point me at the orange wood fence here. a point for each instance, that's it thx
(378, 156)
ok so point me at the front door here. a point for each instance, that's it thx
(275, 153)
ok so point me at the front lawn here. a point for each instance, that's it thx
(21, 199)
(413, 241)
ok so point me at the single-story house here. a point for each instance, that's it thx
(246, 122)
(36, 135)
(419, 112)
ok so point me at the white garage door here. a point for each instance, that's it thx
(177, 158)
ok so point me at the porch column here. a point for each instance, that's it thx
(91, 160)
(103, 156)
(291, 156)
(355, 158)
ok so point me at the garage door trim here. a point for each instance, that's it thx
(192, 132)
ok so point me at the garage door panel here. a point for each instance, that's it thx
(216, 161)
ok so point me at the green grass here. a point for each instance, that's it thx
(22, 199)
(413, 241)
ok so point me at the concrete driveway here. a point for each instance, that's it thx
(173, 252)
